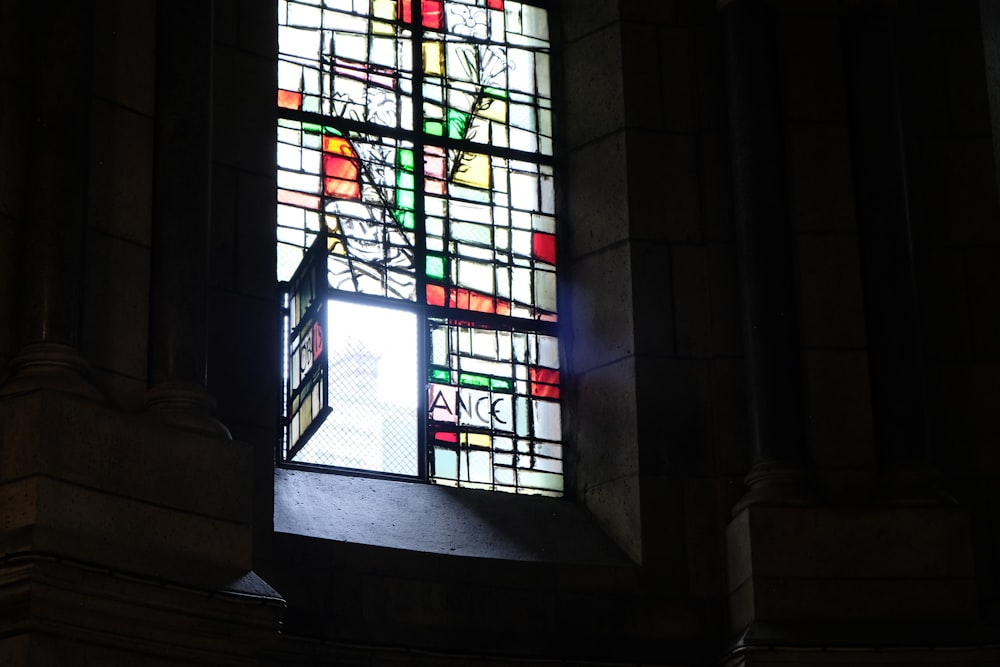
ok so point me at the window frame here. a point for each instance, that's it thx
(426, 312)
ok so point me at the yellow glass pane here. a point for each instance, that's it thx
(433, 58)
(493, 109)
(473, 170)
(382, 28)
(334, 240)
(477, 439)
(384, 9)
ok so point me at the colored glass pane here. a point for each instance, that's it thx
(288, 99)
(420, 149)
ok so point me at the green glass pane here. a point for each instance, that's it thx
(434, 127)
(332, 130)
(404, 200)
(435, 267)
(404, 180)
(440, 375)
(458, 123)
(470, 380)
(495, 92)
(499, 384)
(406, 219)
(312, 127)
(404, 159)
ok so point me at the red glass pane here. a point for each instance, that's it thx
(338, 146)
(317, 340)
(298, 199)
(435, 295)
(544, 247)
(495, 4)
(431, 11)
(459, 299)
(445, 436)
(341, 189)
(288, 99)
(480, 303)
(341, 168)
(544, 382)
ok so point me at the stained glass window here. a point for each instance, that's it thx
(416, 238)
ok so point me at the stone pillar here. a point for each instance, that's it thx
(884, 232)
(52, 229)
(182, 210)
(768, 308)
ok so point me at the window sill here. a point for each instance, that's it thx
(436, 519)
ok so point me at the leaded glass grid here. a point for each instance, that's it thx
(414, 147)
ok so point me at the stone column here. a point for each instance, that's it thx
(895, 353)
(766, 275)
(52, 230)
(181, 214)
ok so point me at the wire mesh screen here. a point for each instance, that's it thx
(372, 424)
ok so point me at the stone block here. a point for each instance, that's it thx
(945, 300)
(605, 422)
(821, 193)
(13, 137)
(244, 110)
(704, 541)
(644, 100)
(730, 431)
(224, 229)
(811, 68)
(596, 177)
(648, 11)
(831, 304)
(678, 84)
(723, 275)
(616, 509)
(954, 185)
(653, 299)
(715, 177)
(226, 22)
(674, 411)
(123, 391)
(121, 173)
(581, 18)
(257, 29)
(594, 87)
(124, 53)
(713, 111)
(116, 305)
(8, 291)
(601, 308)
(983, 265)
(663, 200)
(87, 615)
(256, 247)
(969, 103)
(850, 565)
(95, 447)
(904, 543)
(838, 408)
(245, 341)
(692, 300)
(99, 486)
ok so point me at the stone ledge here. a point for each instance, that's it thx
(436, 519)
(850, 566)
(56, 611)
